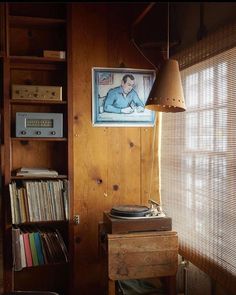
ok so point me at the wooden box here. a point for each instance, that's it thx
(142, 255)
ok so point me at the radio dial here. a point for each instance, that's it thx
(53, 132)
(23, 132)
(38, 132)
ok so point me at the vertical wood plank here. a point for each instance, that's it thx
(107, 160)
(90, 144)
(124, 166)
(149, 163)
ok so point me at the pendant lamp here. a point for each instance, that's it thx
(167, 93)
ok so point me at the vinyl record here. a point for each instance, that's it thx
(130, 211)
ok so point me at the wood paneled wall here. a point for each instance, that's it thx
(111, 165)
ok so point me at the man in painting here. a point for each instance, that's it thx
(123, 99)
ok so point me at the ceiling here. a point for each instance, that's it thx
(188, 23)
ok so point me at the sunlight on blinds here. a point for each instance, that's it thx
(198, 167)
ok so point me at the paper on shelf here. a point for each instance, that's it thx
(36, 172)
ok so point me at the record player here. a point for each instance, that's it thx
(136, 218)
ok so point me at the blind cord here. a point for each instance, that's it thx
(153, 157)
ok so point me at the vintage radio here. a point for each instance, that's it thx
(36, 92)
(39, 124)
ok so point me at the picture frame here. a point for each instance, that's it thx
(119, 96)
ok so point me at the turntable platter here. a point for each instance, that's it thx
(130, 211)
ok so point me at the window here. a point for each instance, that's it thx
(198, 167)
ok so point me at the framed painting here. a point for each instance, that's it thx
(119, 96)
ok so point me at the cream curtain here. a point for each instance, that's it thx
(198, 158)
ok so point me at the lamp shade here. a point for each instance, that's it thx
(167, 92)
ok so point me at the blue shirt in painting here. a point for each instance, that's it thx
(116, 100)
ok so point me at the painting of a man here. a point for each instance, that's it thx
(119, 96)
(123, 99)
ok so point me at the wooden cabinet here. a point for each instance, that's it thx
(30, 30)
(143, 255)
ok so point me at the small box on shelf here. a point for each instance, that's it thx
(54, 54)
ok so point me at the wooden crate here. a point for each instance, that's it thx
(142, 255)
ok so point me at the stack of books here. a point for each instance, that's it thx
(37, 172)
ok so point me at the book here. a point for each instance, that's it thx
(52, 246)
(22, 206)
(54, 54)
(13, 202)
(65, 193)
(45, 248)
(38, 245)
(22, 251)
(48, 247)
(27, 216)
(16, 252)
(52, 199)
(37, 200)
(29, 200)
(15, 205)
(28, 255)
(33, 249)
(62, 245)
(58, 200)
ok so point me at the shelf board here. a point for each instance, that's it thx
(56, 222)
(35, 59)
(39, 139)
(30, 102)
(48, 265)
(35, 21)
(39, 177)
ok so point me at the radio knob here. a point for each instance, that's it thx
(53, 132)
(38, 132)
(23, 132)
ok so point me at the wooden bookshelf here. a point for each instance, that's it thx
(30, 29)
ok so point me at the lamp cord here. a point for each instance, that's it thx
(168, 31)
(140, 51)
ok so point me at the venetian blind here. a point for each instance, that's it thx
(198, 166)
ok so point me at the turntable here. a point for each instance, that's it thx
(136, 218)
